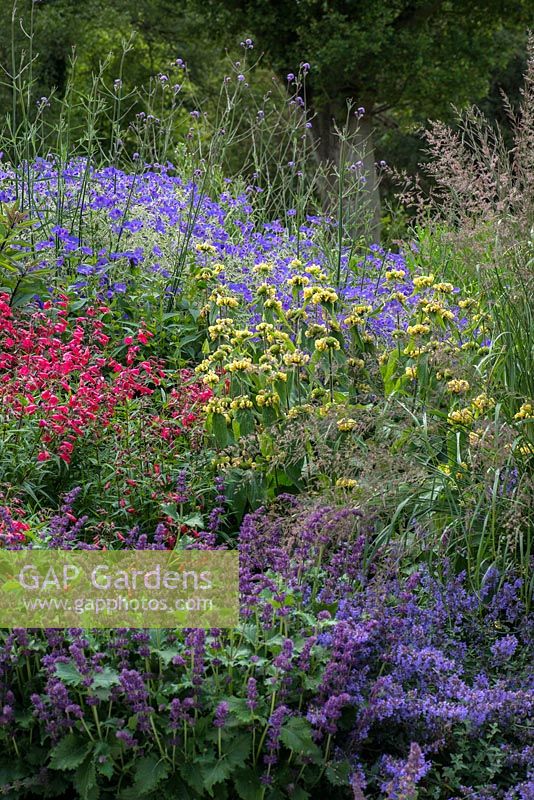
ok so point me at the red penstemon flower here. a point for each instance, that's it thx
(55, 369)
(13, 528)
(182, 410)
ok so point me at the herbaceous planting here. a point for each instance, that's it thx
(219, 334)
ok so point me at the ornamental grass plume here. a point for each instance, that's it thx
(481, 186)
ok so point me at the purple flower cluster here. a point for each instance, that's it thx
(385, 676)
(136, 696)
(221, 714)
(405, 775)
(64, 529)
(147, 218)
(412, 653)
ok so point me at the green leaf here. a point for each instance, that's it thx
(149, 771)
(175, 788)
(246, 422)
(247, 785)
(106, 769)
(220, 429)
(85, 780)
(215, 772)
(195, 521)
(300, 794)
(12, 771)
(268, 415)
(193, 778)
(104, 759)
(239, 711)
(69, 674)
(338, 773)
(237, 752)
(105, 679)
(132, 723)
(171, 511)
(238, 498)
(167, 654)
(70, 752)
(388, 371)
(296, 734)
(255, 490)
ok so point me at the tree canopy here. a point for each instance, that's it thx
(421, 54)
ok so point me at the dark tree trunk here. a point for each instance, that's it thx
(361, 211)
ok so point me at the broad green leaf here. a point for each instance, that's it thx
(70, 752)
(106, 769)
(237, 752)
(239, 711)
(105, 679)
(174, 788)
(171, 511)
(85, 780)
(296, 734)
(300, 794)
(167, 654)
(104, 760)
(195, 521)
(69, 674)
(219, 429)
(193, 777)
(338, 773)
(247, 784)
(149, 771)
(245, 420)
(215, 772)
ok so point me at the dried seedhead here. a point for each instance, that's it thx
(481, 188)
